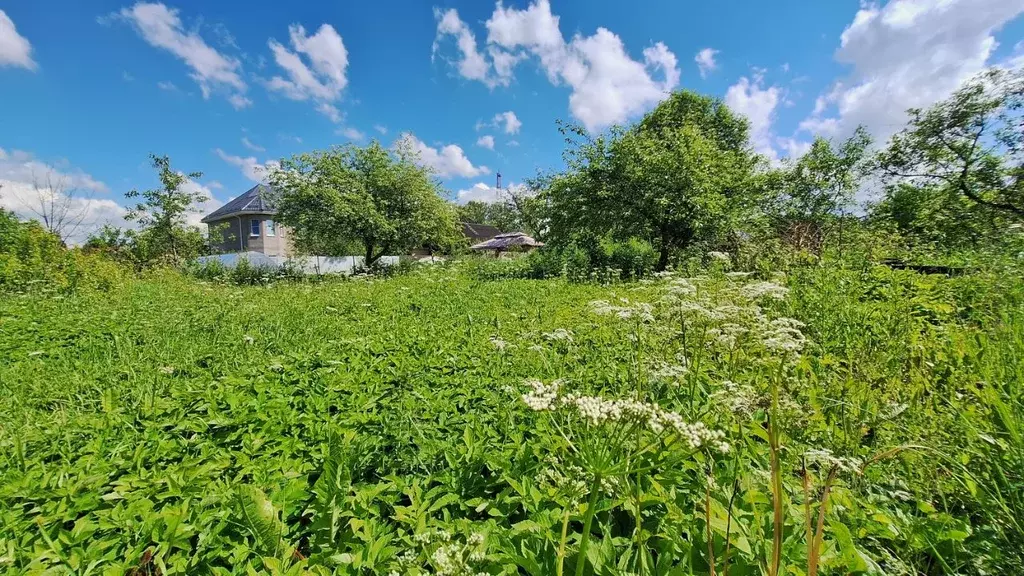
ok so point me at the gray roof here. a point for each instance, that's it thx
(254, 201)
(479, 232)
(506, 241)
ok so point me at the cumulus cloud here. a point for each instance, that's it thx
(161, 27)
(321, 77)
(445, 161)
(15, 49)
(510, 121)
(607, 85)
(907, 54)
(751, 99)
(352, 133)
(250, 166)
(480, 192)
(27, 185)
(472, 64)
(705, 60)
(486, 141)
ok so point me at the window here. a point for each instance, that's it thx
(254, 227)
(270, 227)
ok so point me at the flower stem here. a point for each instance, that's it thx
(561, 545)
(588, 522)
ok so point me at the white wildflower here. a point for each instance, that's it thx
(826, 459)
(543, 396)
(558, 334)
(720, 256)
(167, 369)
(498, 343)
(759, 290)
(738, 275)
(248, 339)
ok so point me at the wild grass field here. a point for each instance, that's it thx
(835, 420)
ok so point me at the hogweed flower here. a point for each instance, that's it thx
(500, 344)
(720, 256)
(758, 290)
(628, 310)
(597, 411)
(558, 334)
(824, 458)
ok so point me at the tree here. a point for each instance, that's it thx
(60, 206)
(680, 176)
(378, 198)
(813, 192)
(161, 212)
(970, 143)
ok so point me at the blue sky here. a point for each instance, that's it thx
(225, 87)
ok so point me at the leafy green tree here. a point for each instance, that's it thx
(811, 194)
(161, 213)
(475, 211)
(680, 176)
(971, 144)
(378, 198)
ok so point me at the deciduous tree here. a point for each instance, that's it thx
(381, 199)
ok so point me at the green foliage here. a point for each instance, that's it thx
(360, 427)
(161, 213)
(809, 197)
(954, 173)
(683, 175)
(377, 198)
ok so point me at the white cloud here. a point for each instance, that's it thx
(254, 147)
(161, 27)
(168, 86)
(607, 85)
(758, 104)
(250, 166)
(238, 101)
(15, 49)
(447, 161)
(25, 182)
(479, 192)
(512, 124)
(382, 129)
(351, 133)
(793, 148)
(907, 54)
(472, 64)
(215, 185)
(323, 79)
(202, 208)
(486, 142)
(705, 60)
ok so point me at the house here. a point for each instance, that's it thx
(477, 233)
(508, 242)
(246, 224)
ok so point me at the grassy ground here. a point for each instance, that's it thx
(366, 427)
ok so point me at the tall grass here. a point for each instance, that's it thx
(375, 426)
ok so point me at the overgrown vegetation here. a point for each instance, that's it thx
(707, 370)
(432, 423)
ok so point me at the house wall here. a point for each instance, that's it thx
(227, 237)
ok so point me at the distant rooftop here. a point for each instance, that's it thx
(254, 201)
(479, 232)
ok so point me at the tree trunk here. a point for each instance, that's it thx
(369, 259)
(663, 258)
(664, 248)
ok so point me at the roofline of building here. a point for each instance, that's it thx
(208, 220)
